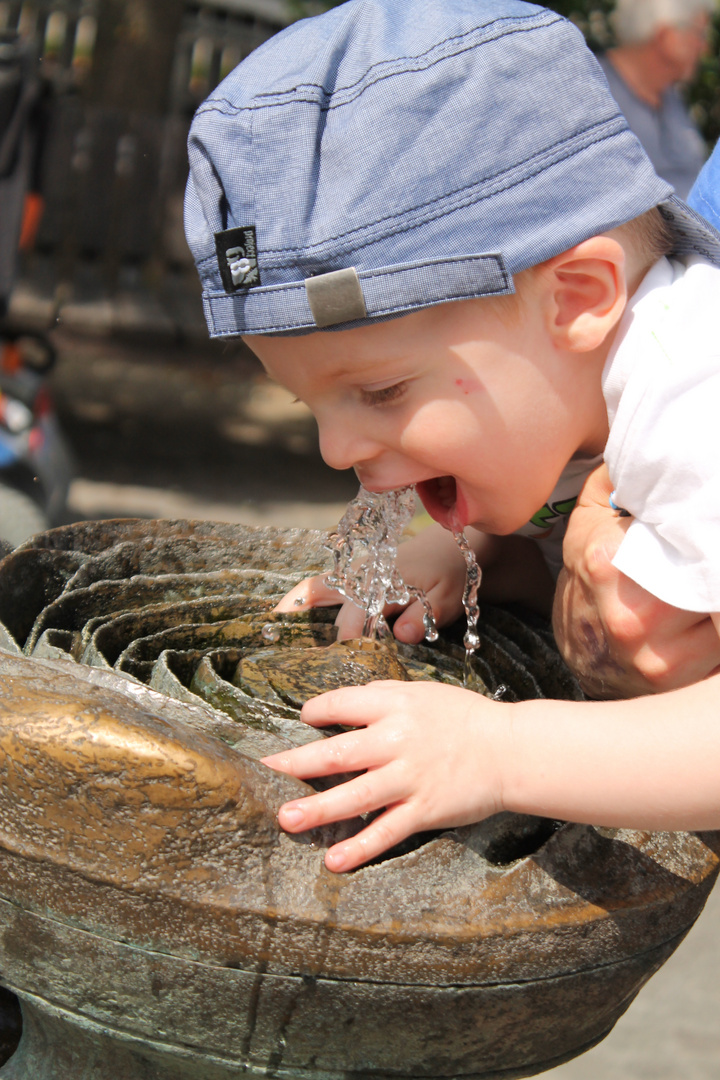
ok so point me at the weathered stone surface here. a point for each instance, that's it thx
(158, 925)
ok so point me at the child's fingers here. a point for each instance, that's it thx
(312, 592)
(352, 706)
(356, 705)
(678, 652)
(409, 626)
(349, 622)
(315, 592)
(371, 791)
(388, 829)
(326, 757)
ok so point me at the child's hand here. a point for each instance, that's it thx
(619, 639)
(432, 755)
(431, 561)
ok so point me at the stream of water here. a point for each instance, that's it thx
(365, 571)
(370, 531)
(473, 576)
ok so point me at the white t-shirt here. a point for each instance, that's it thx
(662, 389)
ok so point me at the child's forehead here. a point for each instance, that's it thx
(383, 350)
(347, 353)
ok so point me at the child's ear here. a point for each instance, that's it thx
(586, 293)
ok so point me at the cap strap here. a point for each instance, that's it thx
(349, 297)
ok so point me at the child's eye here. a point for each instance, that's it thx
(385, 395)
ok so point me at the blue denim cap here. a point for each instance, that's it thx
(390, 155)
(705, 194)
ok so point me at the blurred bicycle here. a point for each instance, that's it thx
(36, 464)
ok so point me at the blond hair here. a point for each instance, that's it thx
(648, 238)
(645, 239)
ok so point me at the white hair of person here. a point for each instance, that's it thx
(635, 21)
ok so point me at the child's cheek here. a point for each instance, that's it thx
(467, 386)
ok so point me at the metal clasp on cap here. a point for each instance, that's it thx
(336, 297)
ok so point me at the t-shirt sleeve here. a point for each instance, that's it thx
(667, 475)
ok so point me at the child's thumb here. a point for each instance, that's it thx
(409, 627)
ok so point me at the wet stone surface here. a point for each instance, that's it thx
(155, 921)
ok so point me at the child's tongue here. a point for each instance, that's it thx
(439, 497)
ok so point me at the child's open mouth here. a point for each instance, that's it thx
(439, 496)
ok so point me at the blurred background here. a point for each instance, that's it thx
(157, 421)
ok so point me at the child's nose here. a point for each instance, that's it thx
(343, 447)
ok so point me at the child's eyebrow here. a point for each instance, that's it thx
(380, 363)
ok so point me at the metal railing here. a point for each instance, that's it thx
(214, 39)
(65, 30)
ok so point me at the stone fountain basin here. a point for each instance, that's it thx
(157, 924)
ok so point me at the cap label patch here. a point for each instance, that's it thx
(237, 258)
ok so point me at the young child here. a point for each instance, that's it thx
(427, 221)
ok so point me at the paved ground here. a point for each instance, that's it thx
(672, 1029)
(164, 425)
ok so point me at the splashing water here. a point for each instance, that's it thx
(473, 576)
(371, 528)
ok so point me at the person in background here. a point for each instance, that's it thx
(660, 45)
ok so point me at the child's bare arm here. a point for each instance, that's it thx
(619, 639)
(513, 569)
(437, 756)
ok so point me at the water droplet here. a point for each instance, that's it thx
(270, 632)
(300, 601)
(470, 676)
(431, 630)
